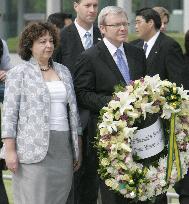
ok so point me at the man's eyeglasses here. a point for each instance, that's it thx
(119, 25)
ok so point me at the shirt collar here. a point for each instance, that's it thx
(112, 48)
(152, 40)
(82, 31)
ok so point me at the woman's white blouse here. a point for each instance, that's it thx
(58, 112)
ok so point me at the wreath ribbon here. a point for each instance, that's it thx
(173, 151)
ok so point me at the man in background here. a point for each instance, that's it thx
(81, 34)
(164, 55)
(75, 39)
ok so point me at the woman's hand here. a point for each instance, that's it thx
(11, 160)
(77, 164)
(11, 157)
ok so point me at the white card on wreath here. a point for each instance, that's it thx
(148, 141)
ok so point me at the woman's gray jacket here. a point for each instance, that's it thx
(26, 110)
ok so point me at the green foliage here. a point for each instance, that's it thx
(68, 7)
(12, 44)
(119, 87)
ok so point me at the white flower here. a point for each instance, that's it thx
(126, 147)
(103, 131)
(125, 101)
(108, 116)
(183, 93)
(168, 110)
(129, 132)
(114, 104)
(146, 108)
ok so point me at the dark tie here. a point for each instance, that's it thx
(123, 66)
(145, 47)
(88, 40)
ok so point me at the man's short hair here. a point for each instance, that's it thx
(150, 14)
(109, 10)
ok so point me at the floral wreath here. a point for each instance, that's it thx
(118, 165)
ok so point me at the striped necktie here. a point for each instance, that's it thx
(88, 40)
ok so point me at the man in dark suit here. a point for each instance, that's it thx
(98, 71)
(75, 39)
(163, 54)
(73, 36)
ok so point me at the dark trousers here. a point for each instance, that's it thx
(110, 197)
(3, 195)
(182, 188)
(86, 183)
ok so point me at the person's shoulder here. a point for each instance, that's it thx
(19, 68)
(61, 68)
(165, 39)
(133, 47)
(68, 28)
(135, 42)
(93, 51)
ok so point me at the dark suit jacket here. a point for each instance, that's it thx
(97, 74)
(166, 59)
(71, 44)
(95, 77)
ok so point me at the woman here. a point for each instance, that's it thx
(39, 120)
(164, 15)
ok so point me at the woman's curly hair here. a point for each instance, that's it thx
(31, 33)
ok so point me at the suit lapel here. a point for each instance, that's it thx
(154, 51)
(75, 38)
(108, 59)
(96, 35)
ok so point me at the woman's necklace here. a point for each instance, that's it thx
(44, 67)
